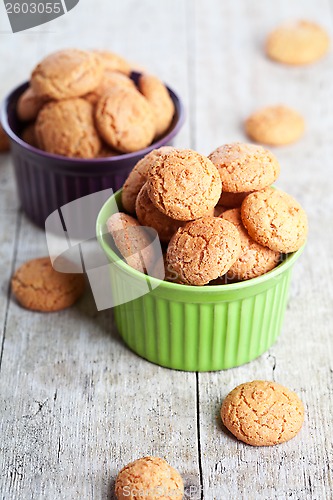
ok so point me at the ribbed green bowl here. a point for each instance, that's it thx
(196, 328)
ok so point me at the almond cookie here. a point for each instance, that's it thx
(28, 105)
(297, 43)
(37, 286)
(29, 135)
(67, 73)
(125, 120)
(138, 177)
(112, 62)
(232, 200)
(245, 167)
(4, 141)
(149, 215)
(110, 80)
(184, 184)
(275, 125)
(67, 128)
(150, 478)
(203, 250)
(132, 240)
(262, 413)
(275, 219)
(158, 96)
(254, 259)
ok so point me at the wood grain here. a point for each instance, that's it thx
(236, 80)
(75, 403)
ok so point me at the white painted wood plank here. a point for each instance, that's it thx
(80, 405)
(10, 225)
(233, 78)
(76, 403)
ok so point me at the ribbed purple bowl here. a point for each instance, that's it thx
(45, 181)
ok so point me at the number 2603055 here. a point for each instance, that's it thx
(34, 8)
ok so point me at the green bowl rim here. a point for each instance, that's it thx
(113, 257)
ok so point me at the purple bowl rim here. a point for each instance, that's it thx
(179, 107)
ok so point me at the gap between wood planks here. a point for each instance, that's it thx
(18, 225)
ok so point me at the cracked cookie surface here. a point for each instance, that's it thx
(184, 184)
(150, 478)
(37, 286)
(203, 250)
(149, 215)
(262, 413)
(298, 42)
(275, 219)
(245, 167)
(275, 125)
(110, 80)
(138, 176)
(125, 119)
(66, 73)
(254, 259)
(67, 128)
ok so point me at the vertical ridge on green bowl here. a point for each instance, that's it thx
(197, 328)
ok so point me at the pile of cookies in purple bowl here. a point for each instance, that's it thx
(80, 125)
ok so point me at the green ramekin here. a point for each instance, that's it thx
(193, 328)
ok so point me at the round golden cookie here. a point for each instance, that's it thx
(275, 219)
(158, 96)
(297, 43)
(262, 413)
(67, 128)
(203, 250)
(138, 176)
(28, 105)
(132, 240)
(151, 478)
(184, 184)
(254, 259)
(29, 135)
(66, 73)
(125, 120)
(149, 215)
(112, 62)
(275, 125)
(4, 141)
(110, 80)
(37, 286)
(232, 200)
(245, 167)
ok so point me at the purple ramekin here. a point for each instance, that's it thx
(45, 181)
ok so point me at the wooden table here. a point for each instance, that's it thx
(76, 404)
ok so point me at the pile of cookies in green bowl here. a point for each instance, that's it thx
(229, 241)
(219, 216)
